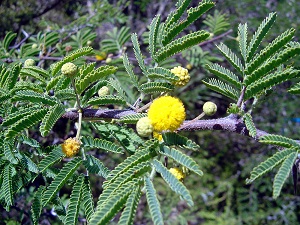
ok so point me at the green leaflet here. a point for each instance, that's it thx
(23, 85)
(180, 44)
(127, 217)
(9, 37)
(172, 181)
(29, 141)
(87, 198)
(154, 87)
(85, 69)
(71, 57)
(28, 164)
(118, 87)
(12, 79)
(222, 88)
(95, 166)
(65, 173)
(91, 143)
(93, 76)
(283, 173)
(35, 97)
(259, 34)
(25, 122)
(154, 27)
(129, 70)
(55, 156)
(172, 138)
(6, 187)
(8, 153)
(66, 94)
(295, 89)
(132, 119)
(181, 158)
(269, 164)
(138, 54)
(243, 33)
(51, 118)
(75, 200)
(153, 203)
(279, 140)
(162, 73)
(93, 90)
(36, 207)
(250, 125)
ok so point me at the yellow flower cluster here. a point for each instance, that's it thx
(183, 75)
(166, 113)
(177, 173)
(71, 147)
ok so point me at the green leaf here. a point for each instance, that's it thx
(222, 88)
(269, 164)
(23, 85)
(279, 140)
(224, 74)
(93, 76)
(87, 199)
(162, 73)
(269, 81)
(25, 122)
(107, 100)
(295, 89)
(153, 203)
(69, 58)
(28, 164)
(9, 37)
(29, 141)
(112, 206)
(93, 90)
(118, 87)
(30, 73)
(132, 119)
(7, 188)
(127, 217)
(250, 125)
(90, 143)
(231, 57)
(75, 200)
(129, 70)
(36, 207)
(65, 173)
(172, 138)
(51, 118)
(35, 97)
(154, 26)
(259, 34)
(66, 94)
(269, 50)
(154, 87)
(283, 173)
(137, 52)
(242, 34)
(16, 116)
(173, 182)
(55, 156)
(181, 158)
(95, 166)
(13, 76)
(180, 44)
(8, 153)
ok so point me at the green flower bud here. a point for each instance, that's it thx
(108, 60)
(33, 46)
(29, 62)
(144, 127)
(103, 91)
(89, 43)
(209, 108)
(69, 69)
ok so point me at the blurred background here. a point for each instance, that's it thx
(221, 195)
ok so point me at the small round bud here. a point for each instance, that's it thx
(71, 147)
(108, 60)
(7, 54)
(183, 75)
(103, 91)
(189, 66)
(69, 69)
(34, 46)
(29, 62)
(177, 173)
(209, 108)
(68, 48)
(144, 127)
(89, 43)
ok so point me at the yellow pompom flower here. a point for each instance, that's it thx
(71, 147)
(166, 113)
(177, 173)
(183, 75)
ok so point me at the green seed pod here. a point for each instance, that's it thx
(69, 69)
(144, 127)
(29, 62)
(209, 108)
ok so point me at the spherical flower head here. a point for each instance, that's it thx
(29, 62)
(34, 46)
(144, 127)
(177, 173)
(210, 108)
(166, 113)
(183, 75)
(71, 147)
(103, 91)
(69, 69)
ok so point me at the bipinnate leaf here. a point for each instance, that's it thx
(181, 158)
(269, 164)
(283, 173)
(173, 182)
(90, 143)
(250, 125)
(154, 26)
(153, 203)
(87, 198)
(36, 207)
(65, 173)
(273, 139)
(55, 156)
(172, 138)
(51, 118)
(95, 166)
